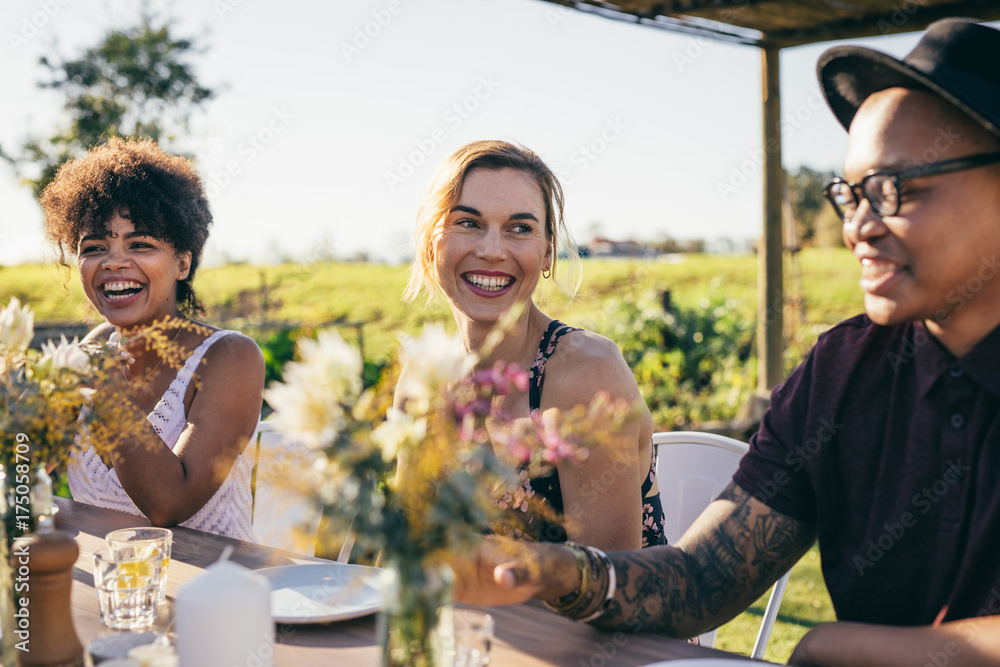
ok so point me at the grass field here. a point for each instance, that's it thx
(312, 295)
(249, 297)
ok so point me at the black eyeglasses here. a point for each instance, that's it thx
(882, 188)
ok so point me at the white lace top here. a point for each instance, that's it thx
(226, 513)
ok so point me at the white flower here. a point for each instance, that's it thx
(17, 326)
(399, 428)
(310, 403)
(433, 361)
(67, 355)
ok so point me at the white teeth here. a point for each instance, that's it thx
(111, 289)
(489, 283)
(872, 269)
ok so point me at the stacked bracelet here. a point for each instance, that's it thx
(564, 604)
(597, 585)
(612, 585)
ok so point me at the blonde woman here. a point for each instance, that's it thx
(490, 229)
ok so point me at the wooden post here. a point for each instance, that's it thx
(770, 307)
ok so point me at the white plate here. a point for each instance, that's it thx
(706, 662)
(323, 592)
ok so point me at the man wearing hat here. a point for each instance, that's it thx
(885, 443)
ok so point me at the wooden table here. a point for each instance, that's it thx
(525, 636)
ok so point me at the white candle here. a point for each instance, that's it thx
(145, 655)
(224, 618)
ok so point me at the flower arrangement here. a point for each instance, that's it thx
(41, 392)
(436, 503)
(48, 398)
(450, 487)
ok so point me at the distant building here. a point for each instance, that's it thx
(604, 247)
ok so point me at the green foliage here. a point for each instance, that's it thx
(278, 348)
(137, 82)
(818, 225)
(373, 372)
(692, 364)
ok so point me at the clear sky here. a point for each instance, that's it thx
(335, 133)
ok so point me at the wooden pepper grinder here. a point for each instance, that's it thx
(49, 556)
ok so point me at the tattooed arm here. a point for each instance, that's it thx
(735, 550)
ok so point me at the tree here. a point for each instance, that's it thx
(137, 82)
(817, 223)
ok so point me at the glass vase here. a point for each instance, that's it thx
(416, 627)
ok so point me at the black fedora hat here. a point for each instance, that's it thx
(957, 59)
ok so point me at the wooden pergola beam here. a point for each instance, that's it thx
(891, 23)
(732, 21)
(770, 276)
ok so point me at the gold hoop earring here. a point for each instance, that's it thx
(547, 273)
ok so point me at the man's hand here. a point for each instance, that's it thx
(971, 642)
(504, 571)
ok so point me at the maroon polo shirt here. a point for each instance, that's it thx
(891, 446)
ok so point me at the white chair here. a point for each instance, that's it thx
(692, 469)
(284, 517)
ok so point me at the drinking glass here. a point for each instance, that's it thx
(127, 584)
(139, 541)
(473, 637)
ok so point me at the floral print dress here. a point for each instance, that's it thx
(547, 486)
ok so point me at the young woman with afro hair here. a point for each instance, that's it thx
(136, 220)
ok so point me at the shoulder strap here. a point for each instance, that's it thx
(186, 372)
(536, 376)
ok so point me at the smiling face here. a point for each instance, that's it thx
(129, 276)
(492, 245)
(930, 261)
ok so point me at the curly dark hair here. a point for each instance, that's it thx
(160, 193)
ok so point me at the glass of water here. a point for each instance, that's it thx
(139, 542)
(127, 586)
(473, 637)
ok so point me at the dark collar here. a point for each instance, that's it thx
(982, 363)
